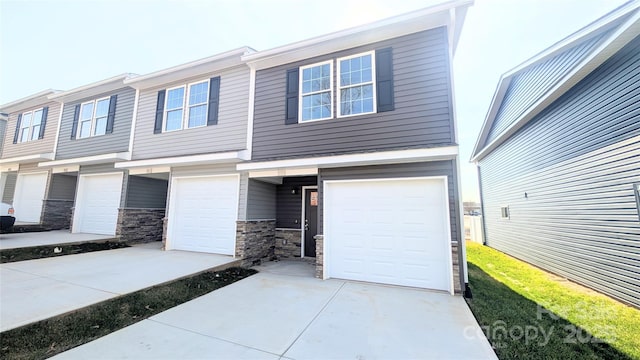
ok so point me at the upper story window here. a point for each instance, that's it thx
(356, 88)
(31, 125)
(316, 84)
(184, 111)
(363, 85)
(188, 106)
(93, 118)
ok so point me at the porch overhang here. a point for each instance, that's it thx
(12, 164)
(310, 166)
(87, 160)
(165, 164)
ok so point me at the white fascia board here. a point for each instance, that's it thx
(203, 66)
(420, 20)
(226, 157)
(625, 33)
(93, 89)
(374, 158)
(28, 102)
(27, 158)
(280, 173)
(88, 160)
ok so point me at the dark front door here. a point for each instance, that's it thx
(310, 221)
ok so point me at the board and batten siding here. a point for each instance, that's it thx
(422, 115)
(9, 187)
(289, 206)
(577, 163)
(118, 141)
(39, 146)
(230, 133)
(261, 200)
(62, 187)
(146, 193)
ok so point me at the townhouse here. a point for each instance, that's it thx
(341, 149)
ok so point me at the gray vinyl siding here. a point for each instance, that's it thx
(3, 130)
(261, 200)
(577, 162)
(146, 193)
(527, 87)
(10, 187)
(229, 134)
(62, 187)
(40, 146)
(435, 168)
(118, 141)
(422, 115)
(223, 169)
(289, 206)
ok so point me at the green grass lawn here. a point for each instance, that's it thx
(530, 314)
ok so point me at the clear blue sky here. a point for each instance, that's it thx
(63, 44)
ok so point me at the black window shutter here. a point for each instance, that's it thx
(76, 116)
(384, 79)
(15, 136)
(214, 100)
(43, 123)
(112, 113)
(292, 97)
(157, 129)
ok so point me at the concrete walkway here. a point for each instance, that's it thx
(28, 239)
(284, 313)
(38, 289)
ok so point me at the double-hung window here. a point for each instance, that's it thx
(317, 91)
(187, 106)
(30, 125)
(356, 84)
(93, 118)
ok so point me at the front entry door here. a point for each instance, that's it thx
(310, 221)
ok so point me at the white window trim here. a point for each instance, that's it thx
(166, 110)
(301, 95)
(373, 83)
(93, 118)
(30, 134)
(186, 108)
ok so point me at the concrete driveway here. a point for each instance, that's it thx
(38, 289)
(283, 312)
(28, 239)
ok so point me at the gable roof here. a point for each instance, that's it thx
(526, 90)
(27, 102)
(193, 68)
(93, 89)
(450, 14)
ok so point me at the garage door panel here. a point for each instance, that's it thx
(29, 194)
(204, 212)
(388, 231)
(97, 203)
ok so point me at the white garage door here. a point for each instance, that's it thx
(27, 200)
(388, 231)
(97, 203)
(203, 213)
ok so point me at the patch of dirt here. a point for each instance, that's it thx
(45, 251)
